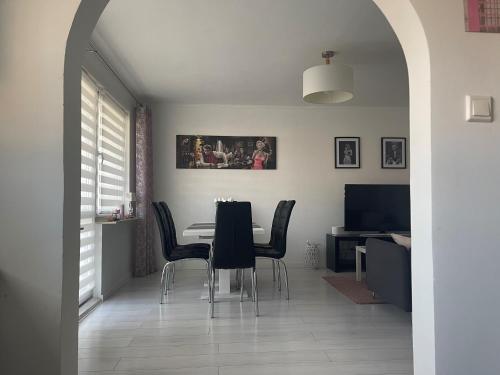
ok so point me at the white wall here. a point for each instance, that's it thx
(465, 193)
(32, 41)
(461, 276)
(408, 27)
(305, 163)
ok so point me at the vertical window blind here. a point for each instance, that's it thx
(89, 99)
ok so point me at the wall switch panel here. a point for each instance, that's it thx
(478, 108)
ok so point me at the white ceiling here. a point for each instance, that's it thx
(249, 52)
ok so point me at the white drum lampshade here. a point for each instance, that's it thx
(329, 83)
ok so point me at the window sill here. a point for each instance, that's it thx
(104, 220)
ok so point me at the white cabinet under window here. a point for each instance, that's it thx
(104, 172)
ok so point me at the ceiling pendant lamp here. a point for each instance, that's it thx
(328, 84)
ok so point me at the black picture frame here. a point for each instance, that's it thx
(398, 161)
(350, 147)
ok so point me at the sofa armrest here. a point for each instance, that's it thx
(388, 272)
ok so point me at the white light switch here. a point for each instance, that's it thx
(479, 108)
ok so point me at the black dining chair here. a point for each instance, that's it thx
(268, 245)
(172, 251)
(276, 249)
(233, 245)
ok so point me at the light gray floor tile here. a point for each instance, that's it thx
(104, 342)
(97, 364)
(317, 332)
(146, 351)
(314, 369)
(220, 360)
(183, 371)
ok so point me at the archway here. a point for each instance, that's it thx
(407, 26)
(410, 32)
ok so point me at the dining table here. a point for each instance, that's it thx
(206, 231)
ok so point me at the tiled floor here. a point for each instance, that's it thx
(317, 332)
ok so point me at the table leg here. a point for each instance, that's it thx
(223, 287)
(224, 281)
(358, 265)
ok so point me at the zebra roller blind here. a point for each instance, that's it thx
(112, 155)
(104, 171)
(89, 121)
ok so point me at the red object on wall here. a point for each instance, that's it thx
(482, 16)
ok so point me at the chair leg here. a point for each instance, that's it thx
(162, 284)
(209, 282)
(173, 274)
(242, 272)
(213, 294)
(274, 270)
(255, 291)
(168, 278)
(238, 278)
(279, 275)
(286, 280)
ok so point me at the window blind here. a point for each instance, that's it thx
(112, 154)
(89, 123)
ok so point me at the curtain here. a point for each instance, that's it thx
(144, 260)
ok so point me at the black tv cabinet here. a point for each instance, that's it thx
(340, 254)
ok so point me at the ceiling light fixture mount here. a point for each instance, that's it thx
(330, 83)
(327, 55)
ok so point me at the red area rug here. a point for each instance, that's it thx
(356, 291)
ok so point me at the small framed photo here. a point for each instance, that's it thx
(347, 152)
(394, 153)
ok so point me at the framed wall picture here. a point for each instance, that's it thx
(225, 152)
(347, 152)
(394, 153)
(482, 16)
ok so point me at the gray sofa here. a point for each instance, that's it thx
(388, 272)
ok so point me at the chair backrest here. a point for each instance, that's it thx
(170, 223)
(164, 229)
(281, 229)
(276, 218)
(233, 242)
(160, 221)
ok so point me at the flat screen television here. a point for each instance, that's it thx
(377, 208)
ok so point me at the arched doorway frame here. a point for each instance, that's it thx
(409, 29)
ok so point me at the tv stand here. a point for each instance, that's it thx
(376, 235)
(340, 249)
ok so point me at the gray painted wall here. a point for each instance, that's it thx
(118, 240)
(37, 312)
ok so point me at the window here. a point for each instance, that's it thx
(112, 154)
(104, 171)
(89, 99)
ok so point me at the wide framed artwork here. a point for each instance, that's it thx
(393, 151)
(347, 152)
(482, 16)
(225, 152)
